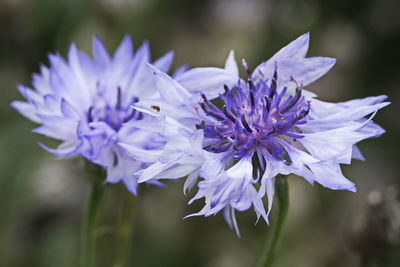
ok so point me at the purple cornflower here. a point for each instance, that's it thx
(256, 129)
(86, 104)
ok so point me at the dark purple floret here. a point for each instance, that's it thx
(113, 115)
(254, 118)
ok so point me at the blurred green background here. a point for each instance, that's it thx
(42, 198)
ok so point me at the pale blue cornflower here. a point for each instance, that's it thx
(258, 128)
(86, 104)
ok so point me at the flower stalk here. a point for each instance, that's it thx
(124, 228)
(278, 222)
(93, 206)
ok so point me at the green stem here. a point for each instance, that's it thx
(124, 228)
(278, 222)
(88, 234)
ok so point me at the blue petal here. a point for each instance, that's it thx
(297, 49)
(164, 62)
(328, 174)
(124, 53)
(64, 149)
(100, 53)
(179, 71)
(210, 81)
(27, 110)
(169, 89)
(231, 65)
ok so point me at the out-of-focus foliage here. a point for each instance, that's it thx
(42, 199)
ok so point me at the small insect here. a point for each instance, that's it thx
(156, 108)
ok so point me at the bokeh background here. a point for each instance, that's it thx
(42, 198)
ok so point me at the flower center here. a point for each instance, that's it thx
(113, 114)
(254, 117)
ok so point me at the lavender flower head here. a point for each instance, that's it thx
(263, 126)
(86, 104)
